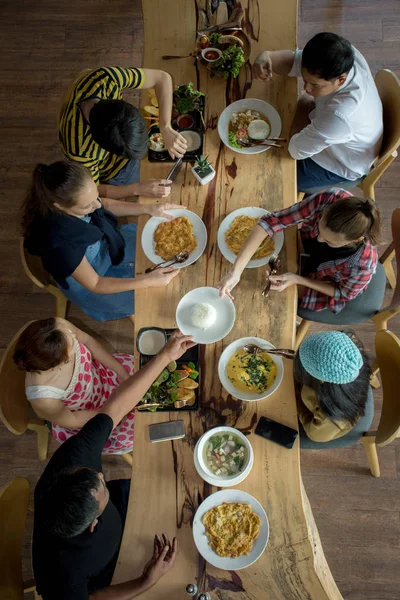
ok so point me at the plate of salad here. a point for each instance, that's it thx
(176, 388)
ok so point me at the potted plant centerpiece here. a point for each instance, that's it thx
(203, 171)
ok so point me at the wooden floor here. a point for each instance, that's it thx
(43, 45)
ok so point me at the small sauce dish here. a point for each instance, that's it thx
(211, 54)
(150, 340)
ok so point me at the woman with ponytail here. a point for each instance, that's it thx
(76, 234)
(339, 233)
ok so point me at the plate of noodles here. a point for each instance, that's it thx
(230, 529)
(163, 239)
(235, 229)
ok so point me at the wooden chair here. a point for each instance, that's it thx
(37, 273)
(15, 410)
(387, 347)
(14, 503)
(382, 316)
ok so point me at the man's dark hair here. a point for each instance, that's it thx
(339, 401)
(69, 506)
(118, 127)
(327, 56)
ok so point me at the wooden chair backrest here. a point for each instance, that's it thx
(14, 407)
(396, 245)
(389, 91)
(14, 502)
(69, 91)
(33, 267)
(387, 347)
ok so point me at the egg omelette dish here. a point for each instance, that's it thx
(252, 373)
(238, 233)
(172, 237)
(231, 528)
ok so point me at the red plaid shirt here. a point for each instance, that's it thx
(351, 274)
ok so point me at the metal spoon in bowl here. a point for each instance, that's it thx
(286, 352)
(179, 258)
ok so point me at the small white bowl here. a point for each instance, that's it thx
(201, 465)
(223, 363)
(205, 50)
(249, 104)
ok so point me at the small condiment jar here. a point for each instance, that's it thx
(192, 589)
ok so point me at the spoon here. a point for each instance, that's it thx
(274, 263)
(179, 258)
(258, 143)
(267, 139)
(254, 349)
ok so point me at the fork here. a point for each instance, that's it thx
(274, 263)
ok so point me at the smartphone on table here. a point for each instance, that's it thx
(173, 174)
(170, 430)
(276, 432)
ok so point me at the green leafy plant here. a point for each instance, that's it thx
(203, 169)
(233, 140)
(229, 63)
(186, 98)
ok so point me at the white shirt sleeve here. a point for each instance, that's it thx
(296, 67)
(325, 130)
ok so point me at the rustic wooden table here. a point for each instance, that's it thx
(165, 489)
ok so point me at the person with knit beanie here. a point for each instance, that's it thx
(332, 376)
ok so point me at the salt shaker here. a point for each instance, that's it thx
(192, 589)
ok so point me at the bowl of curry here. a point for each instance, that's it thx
(250, 377)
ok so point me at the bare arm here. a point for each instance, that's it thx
(161, 562)
(268, 62)
(90, 280)
(135, 209)
(250, 246)
(281, 282)
(53, 410)
(97, 350)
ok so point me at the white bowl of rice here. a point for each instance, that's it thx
(243, 112)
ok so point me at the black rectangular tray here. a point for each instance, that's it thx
(154, 156)
(192, 355)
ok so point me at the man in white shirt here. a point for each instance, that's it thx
(337, 130)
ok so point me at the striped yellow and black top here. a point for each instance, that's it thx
(76, 139)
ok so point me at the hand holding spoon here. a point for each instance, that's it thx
(179, 258)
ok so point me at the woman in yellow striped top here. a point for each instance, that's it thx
(98, 129)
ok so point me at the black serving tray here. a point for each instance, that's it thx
(154, 156)
(192, 355)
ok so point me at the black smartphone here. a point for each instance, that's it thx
(173, 174)
(276, 432)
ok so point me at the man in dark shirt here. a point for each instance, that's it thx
(79, 518)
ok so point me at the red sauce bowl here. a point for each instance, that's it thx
(185, 121)
(211, 54)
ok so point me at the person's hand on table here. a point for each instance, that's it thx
(281, 282)
(174, 142)
(161, 277)
(226, 285)
(157, 210)
(154, 188)
(177, 345)
(262, 67)
(164, 554)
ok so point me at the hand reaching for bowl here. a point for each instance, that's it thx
(174, 142)
(262, 67)
(157, 210)
(226, 285)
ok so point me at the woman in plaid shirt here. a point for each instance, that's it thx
(339, 232)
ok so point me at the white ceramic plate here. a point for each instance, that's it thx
(226, 315)
(215, 481)
(199, 230)
(223, 363)
(201, 540)
(249, 211)
(249, 104)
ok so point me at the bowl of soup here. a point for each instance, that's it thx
(223, 456)
(250, 377)
(248, 117)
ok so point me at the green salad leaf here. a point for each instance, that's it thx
(229, 63)
(233, 140)
(185, 97)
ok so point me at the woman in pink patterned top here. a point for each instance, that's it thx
(69, 376)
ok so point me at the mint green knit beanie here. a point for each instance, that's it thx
(331, 356)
